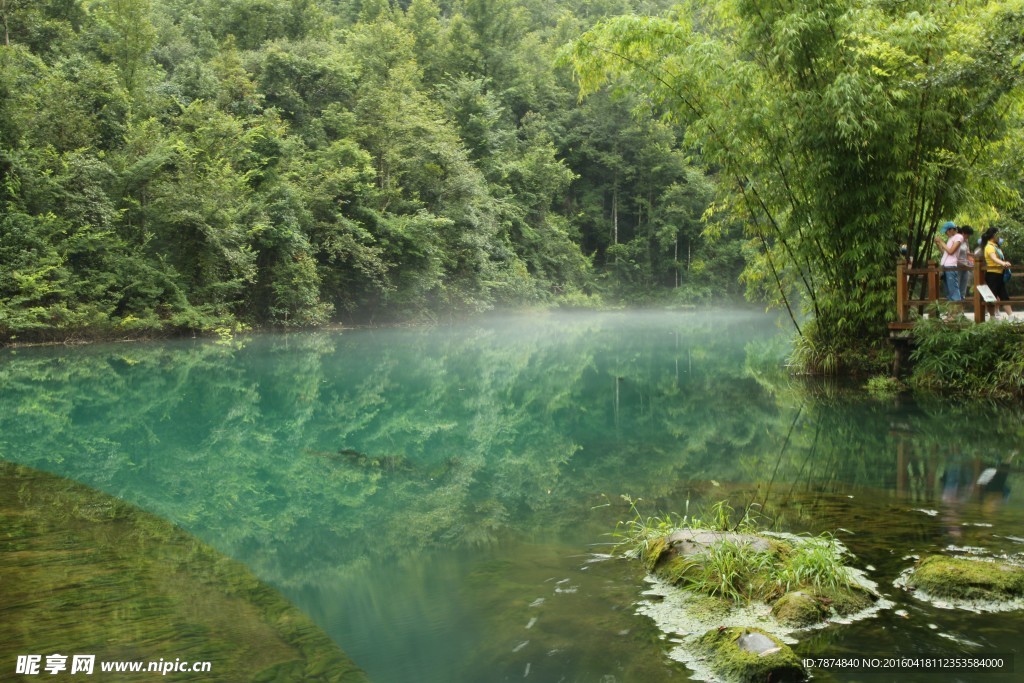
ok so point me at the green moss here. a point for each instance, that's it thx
(710, 606)
(967, 579)
(846, 600)
(651, 552)
(675, 570)
(733, 663)
(783, 549)
(797, 608)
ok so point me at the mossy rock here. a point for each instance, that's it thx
(798, 608)
(652, 551)
(848, 600)
(682, 553)
(688, 545)
(749, 655)
(967, 579)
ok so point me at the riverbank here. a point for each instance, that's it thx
(85, 336)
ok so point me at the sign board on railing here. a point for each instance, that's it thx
(986, 294)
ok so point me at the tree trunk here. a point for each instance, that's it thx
(615, 211)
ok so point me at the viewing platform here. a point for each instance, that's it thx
(925, 282)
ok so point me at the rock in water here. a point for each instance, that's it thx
(798, 608)
(967, 578)
(756, 642)
(748, 655)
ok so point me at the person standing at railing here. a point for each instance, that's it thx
(1006, 276)
(950, 250)
(965, 260)
(995, 264)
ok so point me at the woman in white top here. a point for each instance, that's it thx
(965, 260)
(950, 275)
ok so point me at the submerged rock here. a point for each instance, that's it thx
(84, 572)
(746, 655)
(961, 578)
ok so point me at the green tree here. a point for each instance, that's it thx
(840, 130)
(45, 26)
(132, 37)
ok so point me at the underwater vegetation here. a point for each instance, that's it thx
(86, 573)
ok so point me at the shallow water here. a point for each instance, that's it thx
(439, 500)
(91, 582)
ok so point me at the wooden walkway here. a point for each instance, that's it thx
(927, 281)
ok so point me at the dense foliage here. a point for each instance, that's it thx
(971, 360)
(200, 164)
(840, 130)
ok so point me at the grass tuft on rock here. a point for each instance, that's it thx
(734, 561)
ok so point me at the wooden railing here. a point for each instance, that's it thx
(908, 279)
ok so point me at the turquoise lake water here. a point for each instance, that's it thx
(439, 500)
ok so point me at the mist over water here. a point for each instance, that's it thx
(439, 499)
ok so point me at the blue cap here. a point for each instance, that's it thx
(948, 225)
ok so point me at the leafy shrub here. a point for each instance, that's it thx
(986, 359)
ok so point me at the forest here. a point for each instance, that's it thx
(203, 165)
(174, 165)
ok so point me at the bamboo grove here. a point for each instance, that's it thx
(839, 130)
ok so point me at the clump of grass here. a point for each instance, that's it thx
(815, 562)
(738, 566)
(734, 571)
(644, 537)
